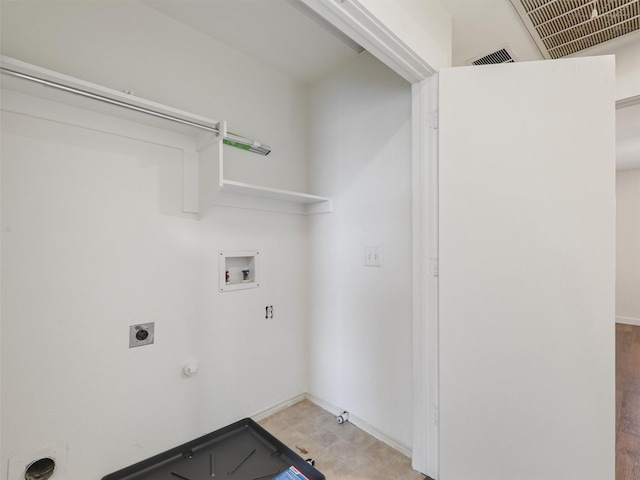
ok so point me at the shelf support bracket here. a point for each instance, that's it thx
(191, 168)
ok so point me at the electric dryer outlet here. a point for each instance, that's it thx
(141, 334)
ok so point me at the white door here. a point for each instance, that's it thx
(526, 236)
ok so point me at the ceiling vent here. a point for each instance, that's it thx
(503, 55)
(564, 27)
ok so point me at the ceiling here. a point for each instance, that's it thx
(562, 28)
(287, 36)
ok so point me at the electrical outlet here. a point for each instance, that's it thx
(372, 256)
(141, 334)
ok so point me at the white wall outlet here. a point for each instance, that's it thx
(373, 256)
(141, 334)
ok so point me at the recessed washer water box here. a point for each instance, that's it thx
(239, 270)
(240, 451)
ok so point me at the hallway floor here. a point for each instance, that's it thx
(341, 451)
(627, 402)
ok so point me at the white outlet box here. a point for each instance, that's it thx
(373, 256)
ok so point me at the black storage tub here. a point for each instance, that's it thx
(240, 451)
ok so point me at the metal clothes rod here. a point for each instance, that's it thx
(108, 100)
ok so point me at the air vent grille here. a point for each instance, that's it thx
(499, 56)
(564, 27)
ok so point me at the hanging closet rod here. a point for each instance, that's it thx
(108, 100)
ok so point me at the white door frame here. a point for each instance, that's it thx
(425, 277)
(355, 21)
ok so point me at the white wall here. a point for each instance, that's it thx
(93, 240)
(628, 246)
(361, 323)
(628, 69)
(627, 52)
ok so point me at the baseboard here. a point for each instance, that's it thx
(628, 320)
(363, 425)
(279, 407)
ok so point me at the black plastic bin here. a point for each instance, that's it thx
(240, 451)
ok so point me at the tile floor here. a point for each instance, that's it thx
(341, 451)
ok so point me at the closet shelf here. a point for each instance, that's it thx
(231, 186)
(194, 134)
(232, 193)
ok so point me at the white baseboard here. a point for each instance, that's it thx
(278, 408)
(363, 425)
(628, 320)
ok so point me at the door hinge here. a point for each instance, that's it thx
(435, 266)
(433, 120)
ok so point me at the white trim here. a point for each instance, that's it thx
(628, 320)
(419, 410)
(363, 425)
(53, 111)
(628, 102)
(425, 277)
(430, 246)
(37, 89)
(358, 23)
(267, 412)
(425, 281)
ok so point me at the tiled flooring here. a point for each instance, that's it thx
(341, 451)
(628, 402)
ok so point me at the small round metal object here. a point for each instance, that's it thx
(142, 335)
(40, 469)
